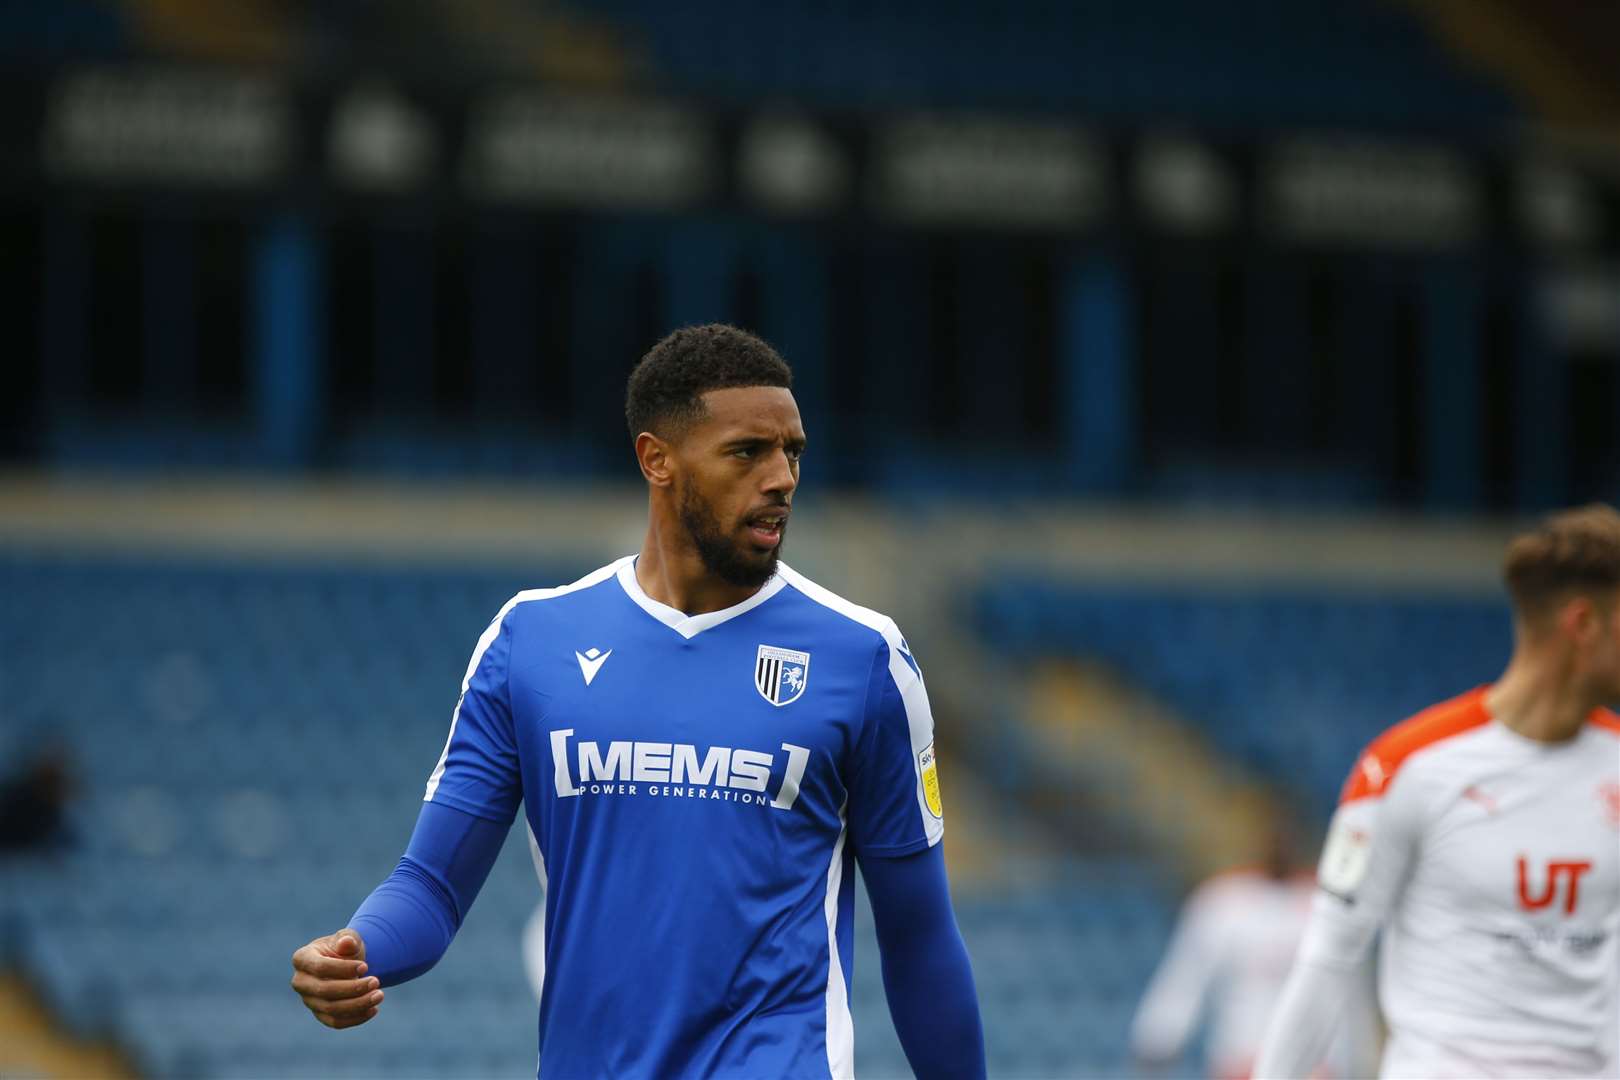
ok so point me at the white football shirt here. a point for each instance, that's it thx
(1492, 864)
(1231, 952)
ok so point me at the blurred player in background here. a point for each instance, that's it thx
(703, 742)
(1483, 837)
(1229, 957)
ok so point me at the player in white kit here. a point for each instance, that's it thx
(1227, 962)
(1482, 837)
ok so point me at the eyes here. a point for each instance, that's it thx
(752, 450)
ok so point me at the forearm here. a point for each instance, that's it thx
(935, 1006)
(408, 921)
(1370, 847)
(1169, 1012)
(927, 976)
(1306, 1019)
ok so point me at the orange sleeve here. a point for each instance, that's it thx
(1379, 763)
(1603, 718)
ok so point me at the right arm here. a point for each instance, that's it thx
(1365, 862)
(407, 921)
(405, 925)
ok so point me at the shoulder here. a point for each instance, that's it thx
(1392, 751)
(861, 627)
(1604, 720)
(529, 602)
(1236, 885)
(841, 615)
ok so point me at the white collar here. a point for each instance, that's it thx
(689, 626)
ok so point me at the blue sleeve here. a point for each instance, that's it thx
(407, 921)
(926, 974)
(894, 806)
(478, 772)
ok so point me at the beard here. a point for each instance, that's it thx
(724, 556)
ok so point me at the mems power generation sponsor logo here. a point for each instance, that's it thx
(674, 771)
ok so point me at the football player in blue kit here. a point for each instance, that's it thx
(703, 742)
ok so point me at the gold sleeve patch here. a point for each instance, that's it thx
(930, 780)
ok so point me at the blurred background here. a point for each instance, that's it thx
(1174, 372)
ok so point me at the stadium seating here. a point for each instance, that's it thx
(1354, 62)
(251, 742)
(1291, 682)
(1260, 61)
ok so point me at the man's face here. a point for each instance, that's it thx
(738, 468)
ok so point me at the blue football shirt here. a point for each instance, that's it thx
(696, 788)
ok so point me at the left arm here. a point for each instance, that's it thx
(1170, 1010)
(926, 974)
(895, 825)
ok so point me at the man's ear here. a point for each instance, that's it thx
(656, 458)
(1578, 619)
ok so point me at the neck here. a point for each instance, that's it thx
(671, 571)
(1536, 698)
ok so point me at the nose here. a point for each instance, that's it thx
(780, 477)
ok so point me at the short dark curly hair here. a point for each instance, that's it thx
(666, 388)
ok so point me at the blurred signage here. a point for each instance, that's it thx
(789, 164)
(937, 169)
(1383, 194)
(1183, 186)
(526, 146)
(597, 152)
(378, 141)
(184, 127)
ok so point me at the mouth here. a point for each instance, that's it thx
(765, 529)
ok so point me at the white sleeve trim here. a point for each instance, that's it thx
(534, 931)
(491, 632)
(840, 1025)
(913, 694)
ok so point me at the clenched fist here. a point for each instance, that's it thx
(329, 974)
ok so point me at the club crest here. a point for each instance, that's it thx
(780, 675)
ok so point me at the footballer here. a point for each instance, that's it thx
(704, 744)
(1482, 838)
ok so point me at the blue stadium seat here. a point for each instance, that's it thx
(1264, 62)
(1293, 683)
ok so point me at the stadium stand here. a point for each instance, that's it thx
(1291, 681)
(211, 700)
(1344, 62)
(33, 1044)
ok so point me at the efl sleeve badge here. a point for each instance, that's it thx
(930, 780)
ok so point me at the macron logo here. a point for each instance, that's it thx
(591, 661)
